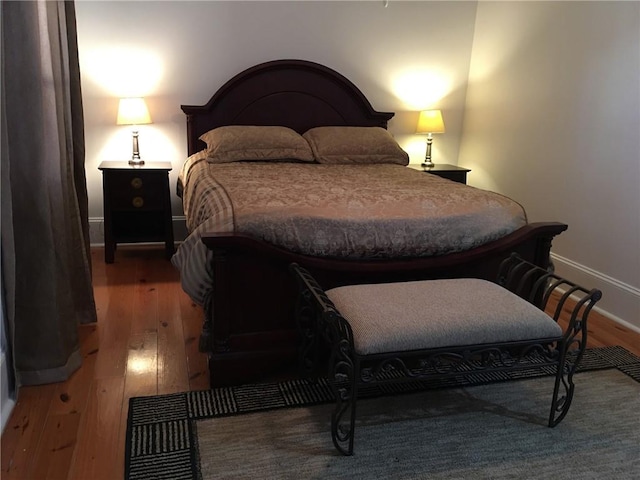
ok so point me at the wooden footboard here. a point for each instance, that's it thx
(250, 329)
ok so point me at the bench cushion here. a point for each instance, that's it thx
(403, 316)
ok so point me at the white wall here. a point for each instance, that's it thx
(184, 51)
(552, 119)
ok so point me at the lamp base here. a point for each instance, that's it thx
(427, 164)
(135, 158)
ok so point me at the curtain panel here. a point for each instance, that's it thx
(46, 271)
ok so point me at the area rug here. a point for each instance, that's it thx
(483, 428)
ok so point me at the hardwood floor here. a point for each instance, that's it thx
(145, 343)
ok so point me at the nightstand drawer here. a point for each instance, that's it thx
(136, 190)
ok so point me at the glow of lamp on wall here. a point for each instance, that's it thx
(421, 89)
(429, 122)
(133, 111)
(123, 70)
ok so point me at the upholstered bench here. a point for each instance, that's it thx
(399, 332)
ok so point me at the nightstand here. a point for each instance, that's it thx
(452, 172)
(137, 205)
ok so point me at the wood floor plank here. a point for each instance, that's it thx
(115, 327)
(24, 429)
(53, 457)
(173, 373)
(70, 397)
(192, 317)
(122, 437)
(145, 301)
(603, 331)
(141, 380)
(97, 454)
(142, 366)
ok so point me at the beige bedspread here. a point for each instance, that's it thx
(346, 211)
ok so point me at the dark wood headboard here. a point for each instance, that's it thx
(293, 93)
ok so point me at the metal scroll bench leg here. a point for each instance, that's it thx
(421, 330)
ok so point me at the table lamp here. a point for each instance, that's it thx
(133, 111)
(430, 122)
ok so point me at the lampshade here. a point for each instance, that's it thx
(133, 111)
(430, 121)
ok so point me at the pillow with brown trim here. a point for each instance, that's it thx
(242, 143)
(353, 145)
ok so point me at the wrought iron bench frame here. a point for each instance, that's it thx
(320, 322)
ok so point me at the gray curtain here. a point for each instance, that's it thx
(46, 271)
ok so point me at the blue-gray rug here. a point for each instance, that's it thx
(162, 430)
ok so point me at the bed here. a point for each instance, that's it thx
(245, 234)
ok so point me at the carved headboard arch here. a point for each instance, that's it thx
(298, 94)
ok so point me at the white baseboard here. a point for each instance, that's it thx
(620, 301)
(96, 230)
(7, 403)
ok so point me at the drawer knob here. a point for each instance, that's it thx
(137, 202)
(136, 182)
